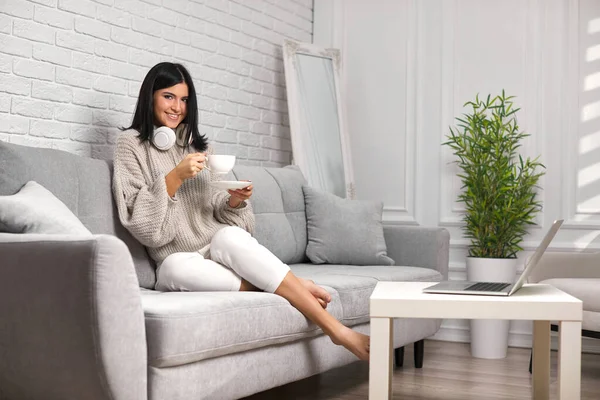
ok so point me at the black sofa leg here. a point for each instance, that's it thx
(530, 361)
(399, 356)
(419, 350)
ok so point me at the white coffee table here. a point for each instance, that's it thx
(537, 302)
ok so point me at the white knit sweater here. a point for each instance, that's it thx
(168, 225)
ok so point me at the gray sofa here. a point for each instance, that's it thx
(79, 318)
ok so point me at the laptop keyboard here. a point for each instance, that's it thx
(488, 286)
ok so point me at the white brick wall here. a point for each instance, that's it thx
(70, 70)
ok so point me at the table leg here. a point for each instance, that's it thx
(381, 359)
(569, 360)
(541, 360)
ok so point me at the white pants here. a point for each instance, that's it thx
(234, 255)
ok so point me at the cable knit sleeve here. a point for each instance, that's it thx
(242, 216)
(145, 208)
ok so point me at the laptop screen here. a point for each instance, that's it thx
(537, 255)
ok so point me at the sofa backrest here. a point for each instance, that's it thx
(83, 184)
(278, 203)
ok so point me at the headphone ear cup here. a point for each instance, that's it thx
(163, 138)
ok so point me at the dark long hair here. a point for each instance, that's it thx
(164, 75)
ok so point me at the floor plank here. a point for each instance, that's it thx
(449, 373)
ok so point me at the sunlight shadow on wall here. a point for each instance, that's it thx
(588, 155)
(589, 143)
(587, 197)
(592, 81)
(590, 111)
(594, 26)
(588, 175)
(588, 240)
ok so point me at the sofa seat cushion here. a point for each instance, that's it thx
(185, 327)
(354, 284)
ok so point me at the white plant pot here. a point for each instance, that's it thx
(489, 338)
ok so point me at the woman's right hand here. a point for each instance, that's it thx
(190, 166)
(186, 169)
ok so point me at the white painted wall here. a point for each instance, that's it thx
(70, 70)
(409, 65)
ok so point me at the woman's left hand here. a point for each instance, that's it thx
(239, 195)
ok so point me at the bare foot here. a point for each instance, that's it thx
(322, 295)
(356, 342)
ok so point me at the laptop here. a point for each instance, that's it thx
(497, 288)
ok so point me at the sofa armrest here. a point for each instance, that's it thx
(418, 246)
(566, 265)
(71, 319)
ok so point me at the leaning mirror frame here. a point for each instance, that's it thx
(322, 169)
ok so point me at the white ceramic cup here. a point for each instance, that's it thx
(220, 164)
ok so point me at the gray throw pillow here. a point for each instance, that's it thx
(34, 209)
(342, 231)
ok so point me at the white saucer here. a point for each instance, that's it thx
(230, 184)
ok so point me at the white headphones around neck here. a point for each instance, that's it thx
(163, 138)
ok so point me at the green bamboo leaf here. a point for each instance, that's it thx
(498, 186)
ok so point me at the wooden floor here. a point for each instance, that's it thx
(449, 373)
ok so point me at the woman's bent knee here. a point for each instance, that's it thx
(168, 271)
(227, 237)
(192, 272)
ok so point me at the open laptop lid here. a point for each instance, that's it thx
(537, 255)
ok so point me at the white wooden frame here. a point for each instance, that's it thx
(300, 148)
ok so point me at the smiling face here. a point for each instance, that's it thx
(170, 105)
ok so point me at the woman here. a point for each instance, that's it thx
(199, 237)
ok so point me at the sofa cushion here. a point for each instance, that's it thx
(34, 209)
(278, 204)
(344, 231)
(585, 289)
(354, 284)
(82, 184)
(591, 321)
(184, 327)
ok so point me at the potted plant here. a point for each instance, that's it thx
(499, 195)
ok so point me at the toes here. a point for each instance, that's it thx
(322, 302)
(322, 293)
(323, 296)
(319, 292)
